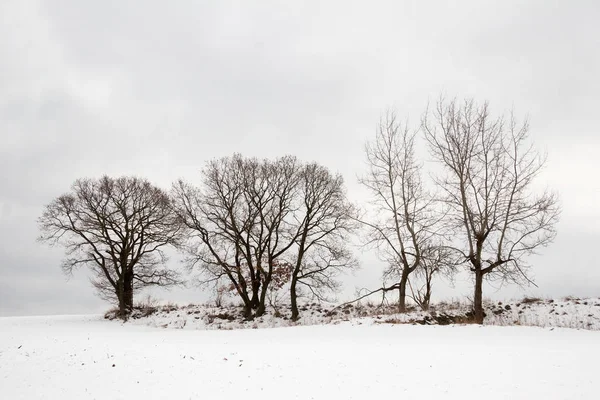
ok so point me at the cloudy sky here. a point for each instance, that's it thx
(155, 89)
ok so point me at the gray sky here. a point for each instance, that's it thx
(88, 88)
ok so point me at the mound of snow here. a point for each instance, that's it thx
(566, 313)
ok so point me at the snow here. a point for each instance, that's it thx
(87, 357)
(565, 313)
(568, 313)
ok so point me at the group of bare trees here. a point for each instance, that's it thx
(253, 226)
(482, 212)
(405, 228)
(253, 220)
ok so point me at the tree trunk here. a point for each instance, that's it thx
(478, 313)
(263, 298)
(243, 293)
(427, 296)
(294, 299)
(121, 298)
(128, 292)
(426, 301)
(247, 311)
(402, 296)
(255, 300)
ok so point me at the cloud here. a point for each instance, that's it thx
(156, 90)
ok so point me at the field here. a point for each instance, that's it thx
(89, 357)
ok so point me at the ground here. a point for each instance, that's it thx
(89, 357)
(568, 312)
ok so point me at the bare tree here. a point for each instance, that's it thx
(238, 222)
(491, 168)
(276, 231)
(325, 219)
(118, 228)
(405, 213)
(251, 217)
(220, 223)
(437, 260)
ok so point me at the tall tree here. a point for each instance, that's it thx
(220, 223)
(272, 191)
(404, 213)
(249, 221)
(324, 221)
(238, 222)
(491, 169)
(118, 228)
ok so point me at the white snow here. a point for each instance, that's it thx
(564, 313)
(73, 357)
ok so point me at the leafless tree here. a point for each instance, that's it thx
(222, 222)
(324, 221)
(118, 228)
(491, 168)
(405, 215)
(273, 191)
(438, 260)
(250, 218)
(239, 220)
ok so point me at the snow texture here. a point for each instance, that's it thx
(79, 357)
(566, 313)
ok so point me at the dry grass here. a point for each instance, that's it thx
(531, 300)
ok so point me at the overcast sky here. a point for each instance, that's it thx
(156, 88)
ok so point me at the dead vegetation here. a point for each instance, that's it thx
(528, 311)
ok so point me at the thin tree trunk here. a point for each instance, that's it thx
(427, 296)
(295, 273)
(294, 298)
(478, 313)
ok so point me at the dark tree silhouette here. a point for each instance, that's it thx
(238, 223)
(118, 228)
(324, 221)
(252, 216)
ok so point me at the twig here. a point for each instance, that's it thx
(381, 289)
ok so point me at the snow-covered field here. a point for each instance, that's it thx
(79, 357)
